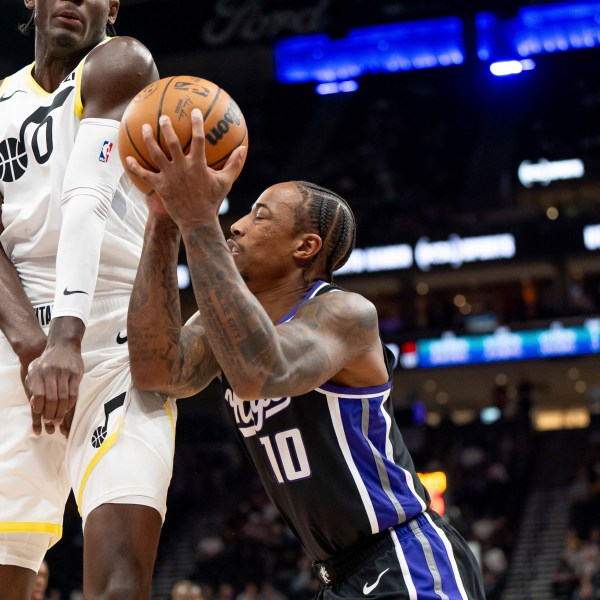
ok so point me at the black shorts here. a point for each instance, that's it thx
(425, 559)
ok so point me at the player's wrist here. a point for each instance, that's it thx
(66, 331)
(201, 230)
(29, 346)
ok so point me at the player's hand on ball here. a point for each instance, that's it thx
(191, 191)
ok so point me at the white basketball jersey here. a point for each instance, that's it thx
(37, 134)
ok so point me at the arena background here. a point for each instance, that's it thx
(478, 205)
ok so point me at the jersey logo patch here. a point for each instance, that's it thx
(105, 151)
(68, 292)
(121, 339)
(4, 98)
(14, 156)
(100, 432)
(324, 575)
(250, 415)
(369, 588)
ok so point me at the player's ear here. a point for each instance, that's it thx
(113, 11)
(310, 245)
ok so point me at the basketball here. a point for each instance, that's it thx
(224, 123)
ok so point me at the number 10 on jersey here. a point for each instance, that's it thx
(287, 449)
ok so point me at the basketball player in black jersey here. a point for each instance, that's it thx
(120, 540)
(306, 377)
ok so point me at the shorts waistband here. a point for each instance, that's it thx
(100, 306)
(343, 565)
(43, 313)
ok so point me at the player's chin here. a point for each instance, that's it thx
(243, 273)
(64, 38)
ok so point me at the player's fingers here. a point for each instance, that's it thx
(36, 422)
(62, 399)
(73, 392)
(50, 398)
(197, 149)
(49, 427)
(158, 156)
(170, 138)
(235, 162)
(65, 426)
(37, 392)
(134, 166)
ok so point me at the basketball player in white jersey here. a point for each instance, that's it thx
(306, 379)
(71, 235)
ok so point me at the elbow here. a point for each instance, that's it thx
(146, 378)
(246, 392)
(247, 387)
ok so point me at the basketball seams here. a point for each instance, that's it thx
(160, 106)
(138, 153)
(212, 104)
(221, 126)
(204, 116)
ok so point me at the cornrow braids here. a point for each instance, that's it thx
(27, 28)
(324, 212)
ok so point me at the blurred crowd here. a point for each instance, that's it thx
(577, 577)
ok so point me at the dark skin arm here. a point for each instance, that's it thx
(333, 337)
(128, 66)
(18, 322)
(164, 357)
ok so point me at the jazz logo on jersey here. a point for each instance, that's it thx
(105, 152)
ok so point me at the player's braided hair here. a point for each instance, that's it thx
(27, 28)
(324, 212)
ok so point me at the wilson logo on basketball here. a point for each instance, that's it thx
(232, 116)
(224, 123)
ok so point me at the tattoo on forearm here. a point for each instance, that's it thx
(155, 328)
(242, 336)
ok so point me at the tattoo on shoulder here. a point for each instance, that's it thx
(356, 321)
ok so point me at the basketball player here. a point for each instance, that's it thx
(71, 237)
(306, 378)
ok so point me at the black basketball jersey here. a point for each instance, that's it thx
(332, 460)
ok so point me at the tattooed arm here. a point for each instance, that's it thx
(165, 357)
(333, 337)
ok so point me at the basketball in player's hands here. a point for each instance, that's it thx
(224, 124)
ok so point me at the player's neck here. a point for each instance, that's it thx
(54, 63)
(50, 73)
(280, 299)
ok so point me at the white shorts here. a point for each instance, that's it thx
(120, 448)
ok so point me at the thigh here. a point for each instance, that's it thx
(34, 486)
(122, 444)
(16, 583)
